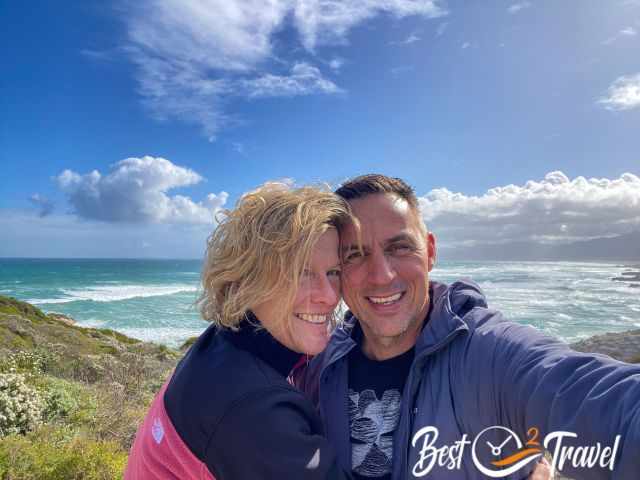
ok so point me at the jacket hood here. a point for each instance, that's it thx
(450, 304)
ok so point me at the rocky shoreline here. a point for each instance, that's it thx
(623, 346)
(630, 275)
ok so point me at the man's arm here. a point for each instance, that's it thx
(540, 382)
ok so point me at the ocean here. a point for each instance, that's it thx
(154, 300)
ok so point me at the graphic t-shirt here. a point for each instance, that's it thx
(375, 390)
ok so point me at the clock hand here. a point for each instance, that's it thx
(505, 442)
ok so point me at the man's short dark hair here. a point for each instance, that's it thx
(373, 183)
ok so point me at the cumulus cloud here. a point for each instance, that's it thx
(135, 191)
(192, 56)
(516, 7)
(44, 205)
(554, 210)
(623, 94)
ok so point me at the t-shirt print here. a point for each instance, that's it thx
(372, 423)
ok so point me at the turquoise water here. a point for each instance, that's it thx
(154, 299)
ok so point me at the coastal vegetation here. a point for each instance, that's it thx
(71, 398)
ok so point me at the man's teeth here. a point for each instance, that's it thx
(312, 318)
(390, 299)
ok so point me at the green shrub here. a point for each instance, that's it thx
(60, 399)
(59, 453)
(21, 405)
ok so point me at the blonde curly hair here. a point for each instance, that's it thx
(261, 247)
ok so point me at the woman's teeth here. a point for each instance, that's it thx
(385, 300)
(313, 318)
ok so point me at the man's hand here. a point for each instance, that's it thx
(542, 471)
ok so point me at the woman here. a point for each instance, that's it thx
(271, 283)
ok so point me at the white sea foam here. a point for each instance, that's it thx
(114, 293)
(171, 336)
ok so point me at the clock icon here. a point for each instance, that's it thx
(492, 444)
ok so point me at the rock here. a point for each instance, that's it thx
(624, 346)
(61, 317)
(631, 276)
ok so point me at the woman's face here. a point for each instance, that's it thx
(307, 329)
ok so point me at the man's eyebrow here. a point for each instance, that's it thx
(400, 238)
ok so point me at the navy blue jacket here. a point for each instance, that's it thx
(472, 371)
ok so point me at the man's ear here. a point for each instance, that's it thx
(431, 250)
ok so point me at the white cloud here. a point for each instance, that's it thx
(623, 94)
(465, 45)
(625, 32)
(407, 41)
(336, 64)
(516, 7)
(193, 55)
(239, 148)
(304, 79)
(45, 206)
(135, 191)
(441, 29)
(555, 209)
(97, 55)
(328, 21)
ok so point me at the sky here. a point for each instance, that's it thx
(127, 127)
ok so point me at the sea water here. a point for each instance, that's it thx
(155, 300)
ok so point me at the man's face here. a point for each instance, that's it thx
(387, 285)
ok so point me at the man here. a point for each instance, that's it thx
(424, 379)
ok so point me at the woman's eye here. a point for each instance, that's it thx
(334, 273)
(353, 256)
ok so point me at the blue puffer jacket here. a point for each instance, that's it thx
(473, 370)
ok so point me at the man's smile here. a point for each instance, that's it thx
(386, 300)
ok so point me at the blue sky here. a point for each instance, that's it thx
(476, 104)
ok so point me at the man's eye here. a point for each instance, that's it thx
(401, 249)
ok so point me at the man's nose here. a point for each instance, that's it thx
(381, 271)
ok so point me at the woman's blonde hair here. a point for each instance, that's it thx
(261, 247)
